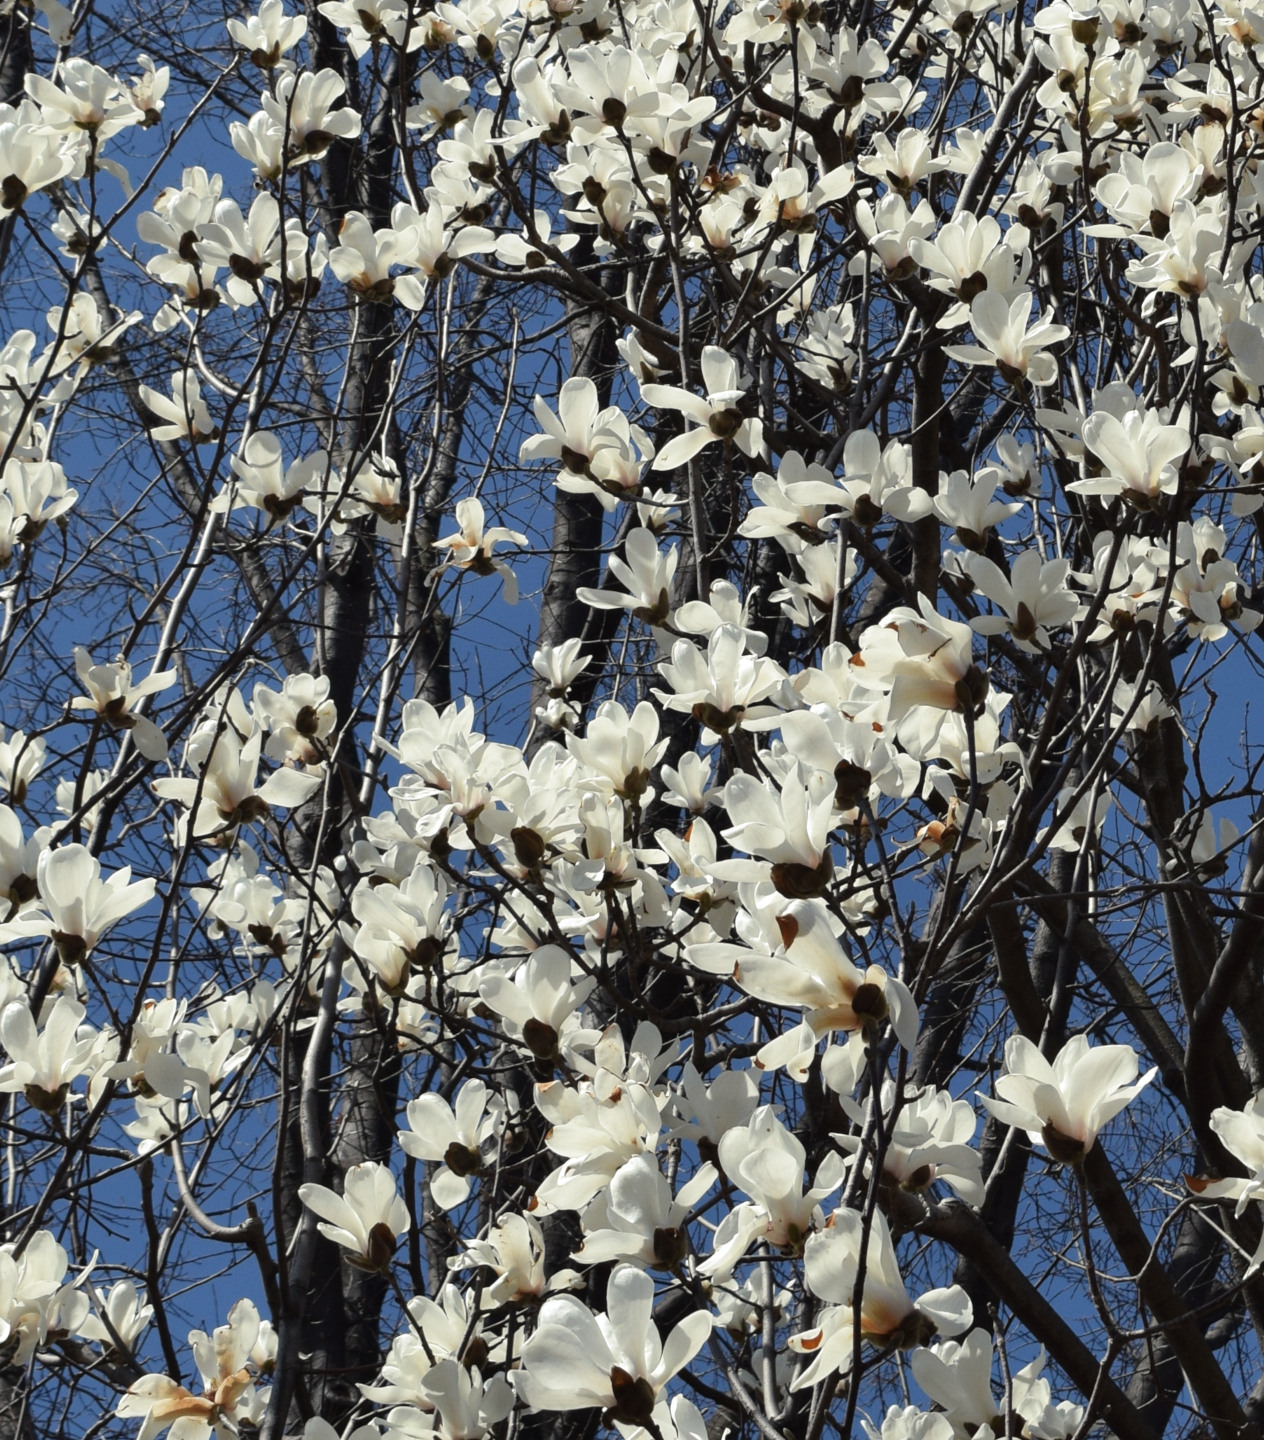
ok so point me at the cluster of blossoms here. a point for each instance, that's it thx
(657, 963)
(564, 823)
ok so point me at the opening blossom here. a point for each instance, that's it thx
(1063, 1105)
(647, 575)
(925, 659)
(227, 793)
(718, 416)
(453, 1138)
(43, 1064)
(113, 696)
(1242, 1134)
(229, 1362)
(471, 547)
(78, 905)
(1008, 340)
(366, 1219)
(889, 1320)
(576, 1360)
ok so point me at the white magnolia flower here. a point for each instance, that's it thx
(80, 906)
(122, 1319)
(248, 246)
(538, 1004)
(470, 549)
(969, 507)
(43, 1064)
(268, 34)
(1008, 340)
(637, 1219)
(929, 1142)
(366, 1219)
(765, 1161)
(717, 416)
(226, 1363)
(453, 1138)
(299, 718)
(227, 793)
(787, 827)
(576, 1360)
(113, 696)
(89, 99)
(513, 1253)
(1083, 820)
(889, 1320)
(1063, 1105)
(302, 109)
(812, 971)
(21, 760)
(924, 658)
(1034, 597)
(647, 575)
(33, 159)
(1139, 453)
(184, 416)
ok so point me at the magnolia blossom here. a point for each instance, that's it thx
(302, 109)
(448, 1324)
(957, 1375)
(366, 1219)
(513, 1254)
(226, 1362)
(889, 1320)
(1008, 340)
(265, 483)
(113, 696)
(559, 666)
(299, 718)
(249, 246)
(364, 258)
(37, 1302)
(620, 750)
(575, 1360)
(1034, 598)
(227, 793)
(1242, 1134)
(788, 827)
(31, 163)
(1138, 452)
(718, 416)
(21, 760)
(453, 1135)
(812, 970)
(471, 547)
(595, 1130)
(969, 507)
(539, 1002)
(78, 905)
(268, 34)
(929, 1141)
(765, 1161)
(185, 415)
(646, 573)
(44, 1064)
(89, 99)
(1063, 1105)
(925, 659)
(592, 443)
(638, 1220)
(124, 1315)
(725, 688)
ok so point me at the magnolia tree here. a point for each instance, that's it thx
(625, 630)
